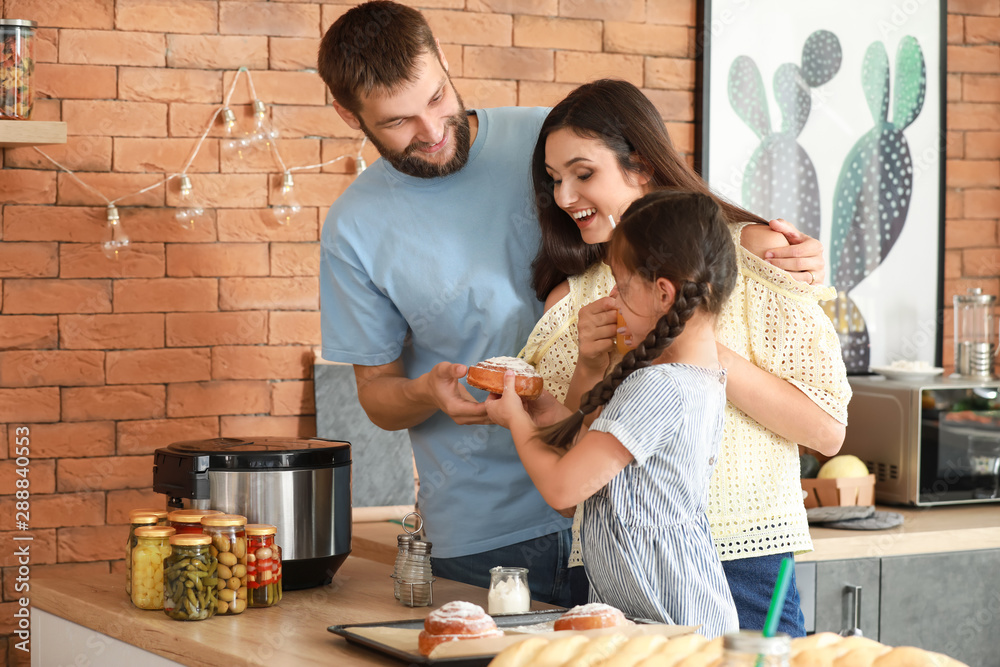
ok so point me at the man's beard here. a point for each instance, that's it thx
(409, 160)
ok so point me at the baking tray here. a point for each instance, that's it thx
(502, 620)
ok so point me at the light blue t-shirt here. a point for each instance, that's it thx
(435, 270)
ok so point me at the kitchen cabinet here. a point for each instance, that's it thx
(945, 602)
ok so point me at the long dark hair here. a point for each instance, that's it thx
(617, 113)
(683, 237)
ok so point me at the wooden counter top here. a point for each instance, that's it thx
(294, 632)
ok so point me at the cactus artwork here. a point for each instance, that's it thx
(780, 179)
(873, 192)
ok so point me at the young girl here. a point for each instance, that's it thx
(601, 148)
(643, 468)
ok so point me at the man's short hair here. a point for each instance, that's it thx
(373, 47)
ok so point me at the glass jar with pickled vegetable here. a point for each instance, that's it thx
(190, 578)
(160, 514)
(152, 546)
(229, 545)
(17, 68)
(135, 521)
(188, 522)
(263, 565)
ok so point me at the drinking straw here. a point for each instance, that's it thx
(777, 602)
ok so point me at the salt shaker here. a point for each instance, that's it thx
(403, 543)
(509, 592)
(415, 579)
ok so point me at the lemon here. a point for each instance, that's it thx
(845, 465)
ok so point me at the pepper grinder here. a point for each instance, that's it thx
(403, 543)
(415, 579)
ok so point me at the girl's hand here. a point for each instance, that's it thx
(505, 408)
(546, 410)
(596, 329)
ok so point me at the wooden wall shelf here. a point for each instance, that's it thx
(17, 133)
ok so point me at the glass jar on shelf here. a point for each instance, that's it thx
(229, 546)
(152, 547)
(190, 578)
(134, 521)
(263, 565)
(188, 522)
(17, 68)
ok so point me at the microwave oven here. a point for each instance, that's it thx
(928, 442)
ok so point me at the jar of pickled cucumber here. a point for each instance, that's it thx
(135, 521)
(160, 514)
(152, 546)
(17, 68)
(229, 545)
(188, 522)
(263, 565)
(190, 578)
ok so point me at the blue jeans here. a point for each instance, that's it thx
(545, 557)
(751, 581)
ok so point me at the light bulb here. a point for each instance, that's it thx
(287, 205)
(263, 134)
(190, 209)
(234, 140)
(359, 165)
(119, 241)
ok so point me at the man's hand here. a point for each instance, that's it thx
(803, 258)
(451, 396)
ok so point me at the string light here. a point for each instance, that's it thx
(191, 207)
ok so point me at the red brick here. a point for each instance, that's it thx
(955, 145)
(87, 260)
(197, 399)
(197, 329)
(95, 47)
(295, 152)
(468, 27)
(490, 62)
(190, 120)
(90, 543)
(980, 88)
(28, 332)
(979, 145)
(75, 81)
(47, 110)
(29, 405)
(336, 147)
(484, 93)
(105, 473)
(46, 45)
(274, 19)
(242, 225)
(55, 223)
(261, 362)
(28, 260)
(122, 501)
(41, 475)
(184, 16)
(158, 225)
(674, 105)
(125, 187)
(167, 155)
(116, 118)
(292, 53)
(111, 332)
(113, 402)
(672, 73)
(982, 204)
(227, 190)
(982, 7)
(647, 40)
(56, 511)
(299, 121)
(79, 153)
(288, 427)
(536, 94)
(607, 10)
(294, 259)
(294, 328)
(43, 547)
(980, 29)
(681, 136)
(952, 264)
(278, 88)
(981, 262)
(972, 174)
(146, 84)
(673, 12)
(64, 14)
(68, 439)
(51, 368)
(293, 398)
(973, 116)
(165, 295)
(543, 7)
(159, 366)
(217, 259)
(269, 293)
(956, 29)
(144, 437)
(578, 67)
(43, 296)
(15, 436)
(974, 58)
(26, 186)
(954, 204)
(219, 52)
(321, 189)
(455, 58)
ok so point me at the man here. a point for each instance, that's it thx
(425, 270)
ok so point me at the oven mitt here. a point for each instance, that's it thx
(839, 513)
(877, 521)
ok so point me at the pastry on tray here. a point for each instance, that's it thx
(456, 621)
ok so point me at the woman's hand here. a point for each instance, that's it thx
(596, 329)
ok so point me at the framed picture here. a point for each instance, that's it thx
(831, 115)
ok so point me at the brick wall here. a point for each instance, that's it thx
(208, 332)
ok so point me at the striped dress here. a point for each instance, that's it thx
(647, 546)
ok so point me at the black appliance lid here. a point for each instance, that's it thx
(265, 453)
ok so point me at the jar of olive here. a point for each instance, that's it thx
(229, 545)
(188, 522)
(135, 521)
(152, 546)
(190, 578)
(160, 514)
(263, 565)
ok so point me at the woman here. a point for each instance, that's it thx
(599, 150)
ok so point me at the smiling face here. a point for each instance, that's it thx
(421, 129)
(588, 183)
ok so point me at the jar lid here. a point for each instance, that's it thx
(190, 515)
(261, 529)
(155, 531)
(190, 540)
(223, 520)
(19, 23)
(159, 514)
(973, 296)
(142, 518)
(419, 547)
